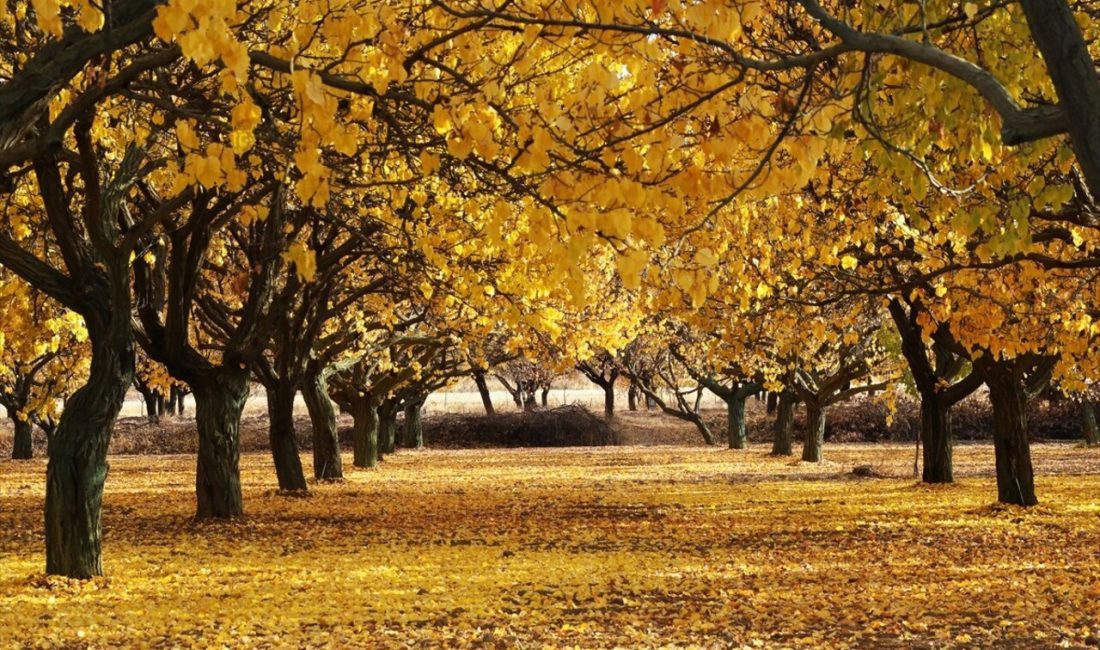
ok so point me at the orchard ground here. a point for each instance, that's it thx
(668, 545)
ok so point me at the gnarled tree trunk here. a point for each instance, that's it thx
(815, 433)
(936, 437)
(414, 426)
(23, 443)
(364, 416)
(284, 445)
(219, 399)
(77, 468)
(735, 421)
(784, 425)
(326, 438)
(387, 428)
(1015, 476)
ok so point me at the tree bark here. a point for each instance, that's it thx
(784, 425)
(1059, 39)
(326, 438)
(23, 444)
(77, 468)
(937, 439)
(735, 424)
(1088, 424)
(219, 400)
(815, 433)
(284, 445)
(387, 429)
(609, 400)
(772, 402)
(632, 398)
(364, 432)
(1015, 475)
(414, 426)
(483, 390)
(546, 397)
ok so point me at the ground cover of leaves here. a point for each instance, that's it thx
(621, 547)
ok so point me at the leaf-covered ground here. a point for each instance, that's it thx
(631, 547)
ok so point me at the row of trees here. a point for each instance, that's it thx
(360, 201)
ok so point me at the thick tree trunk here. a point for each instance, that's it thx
(772, 403)
(546, 397)
(387, 429)
(219, 400)
(326, 437)
(1015, 476)
(735, 422)
(609, 400)
(936, 437)
(364, 432)
(284, 445)
(483, 390)
(77, 467)
(784, 425)
(1088, 425)
(632, 398)
(815, 433)
(23, 444)
(414, 426)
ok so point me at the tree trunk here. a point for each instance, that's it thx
(546, 397)
(326, 437)
(414, 426)
(815, 433)
(735, 421)
(632, 398)
(219, 400)
(1088, 424)
(387, 429)
(936, 437)
(1058, 37)
(284, 446)
(150, 398)
(784, 425)
(1015, 476)
(772, 403)
(180, 399)
(365, 432)
(483, 390)
(77, 467)
(609, 400)
(23, 444)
